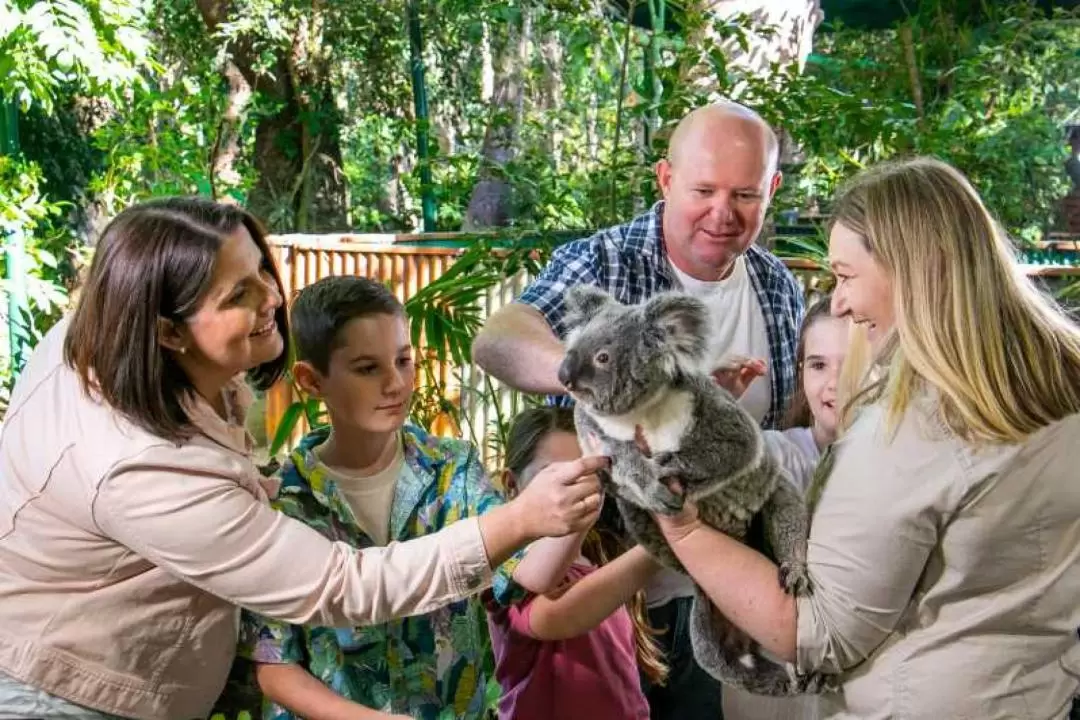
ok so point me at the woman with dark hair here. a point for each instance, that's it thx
(132, 519)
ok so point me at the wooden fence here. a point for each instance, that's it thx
(408, 263)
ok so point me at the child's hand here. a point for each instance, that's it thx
(563, 498)
(736, 373)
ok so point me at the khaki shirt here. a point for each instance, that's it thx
(123, 557)
(946, 578)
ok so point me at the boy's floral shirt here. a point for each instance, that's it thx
(431, 666)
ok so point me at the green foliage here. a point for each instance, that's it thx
(50, 48)
(26, 214)
(993, 99)
(125, 99)
(47, 44)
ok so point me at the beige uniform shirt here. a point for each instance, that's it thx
(124, 557)
(946, 578)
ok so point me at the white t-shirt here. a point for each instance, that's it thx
(737, 327)
(370, 497)
(797, 453)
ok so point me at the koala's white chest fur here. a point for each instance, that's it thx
(664, 421)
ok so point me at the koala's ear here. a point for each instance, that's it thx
(682, 320)
(583, 302)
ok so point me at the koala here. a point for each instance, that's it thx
(641, 390)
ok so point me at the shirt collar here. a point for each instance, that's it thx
(229, 433)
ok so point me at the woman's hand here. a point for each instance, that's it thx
(563, 498)
(678, 526)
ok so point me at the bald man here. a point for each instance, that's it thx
(717, 180)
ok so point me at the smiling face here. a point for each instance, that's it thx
(234, 328)
(864, 291)
(825, 348)
(369, 382)
(717, 184)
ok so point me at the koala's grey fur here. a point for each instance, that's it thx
(636, 373)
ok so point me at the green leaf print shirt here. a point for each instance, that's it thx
(432, 666)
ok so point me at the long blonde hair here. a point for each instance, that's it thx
(1003, 357)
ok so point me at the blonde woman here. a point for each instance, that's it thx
(945, 544)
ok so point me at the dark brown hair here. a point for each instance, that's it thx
(798, 412)
(604, 542)
(155, 260)
(322, 310)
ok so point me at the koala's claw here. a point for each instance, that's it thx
(815, 683)
(671, 502)
(663, 459)
(794, 578)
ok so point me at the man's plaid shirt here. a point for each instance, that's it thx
(628, 262)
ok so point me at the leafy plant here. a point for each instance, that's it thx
(444, 317)
(47, 44)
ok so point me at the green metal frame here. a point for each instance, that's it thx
(18, 309)
(419, 88)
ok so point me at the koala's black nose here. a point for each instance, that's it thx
(568, 369)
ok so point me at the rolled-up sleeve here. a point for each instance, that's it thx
(186, 511)
(482, 497)
(576, 263)
(872, 533)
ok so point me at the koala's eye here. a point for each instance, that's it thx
(602, 358)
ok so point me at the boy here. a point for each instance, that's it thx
(370, 478)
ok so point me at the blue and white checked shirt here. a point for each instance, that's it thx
(628, 262)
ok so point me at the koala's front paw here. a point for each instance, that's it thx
(663, 459)
(816, 683)
(794, 578)
(671, 502)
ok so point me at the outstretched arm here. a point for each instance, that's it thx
(178, 509)
(591, 600)
(519, 344)
(518, 347)
(294, 688)
(741, 582)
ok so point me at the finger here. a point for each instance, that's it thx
(583, 514)
(591, 503)
(576, 493)
(748, 375)
(573, 471)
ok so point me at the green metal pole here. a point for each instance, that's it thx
(653, 88)
(416, 51)
(14, 255)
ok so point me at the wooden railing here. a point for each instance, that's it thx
(408, 263)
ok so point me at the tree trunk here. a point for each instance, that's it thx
(551, 50)
(300, 185)
(226, 149)
(491, 202)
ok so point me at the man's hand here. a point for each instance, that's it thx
(737, 372)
